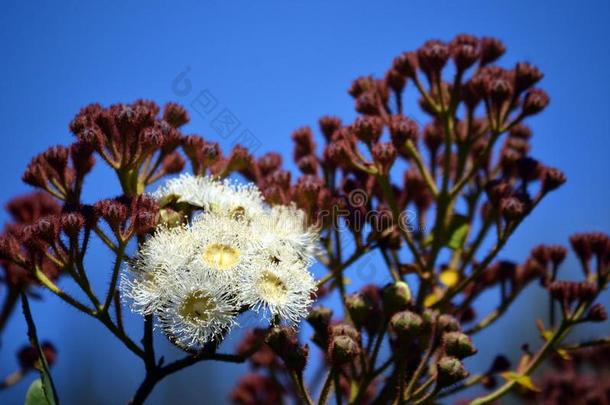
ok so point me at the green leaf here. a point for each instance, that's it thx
(36, 394)
(458, 231)
(524, 381)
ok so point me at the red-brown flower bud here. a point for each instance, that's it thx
(432, 56)
(368, 128)
(526, 76)
(535, 101)
(175, 115)
(464, 51)
(491, 50)
(328, 126)
(406, 64)
(552, 178)
(384, 154)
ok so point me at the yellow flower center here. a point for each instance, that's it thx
(197, 307)
(221, 256)
(272, 289)
(238, 213)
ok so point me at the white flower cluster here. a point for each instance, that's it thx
(238, 254)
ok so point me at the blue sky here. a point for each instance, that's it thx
(277, 66)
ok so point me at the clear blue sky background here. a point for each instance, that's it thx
(279, 65)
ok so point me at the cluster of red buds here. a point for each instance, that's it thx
(19, 247)
(461, 178)
(425, 196)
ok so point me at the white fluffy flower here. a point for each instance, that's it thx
(167, 252)
(286, 227)
(281, 286)
(224, 197)
(197, 310)
(223, 245)
(237, 253)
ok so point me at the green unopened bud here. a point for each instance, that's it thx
(406, 324)
(396, 297)
(458, 344)
(343, 349)
(448, 323)
(359, 309)
(450, 370)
